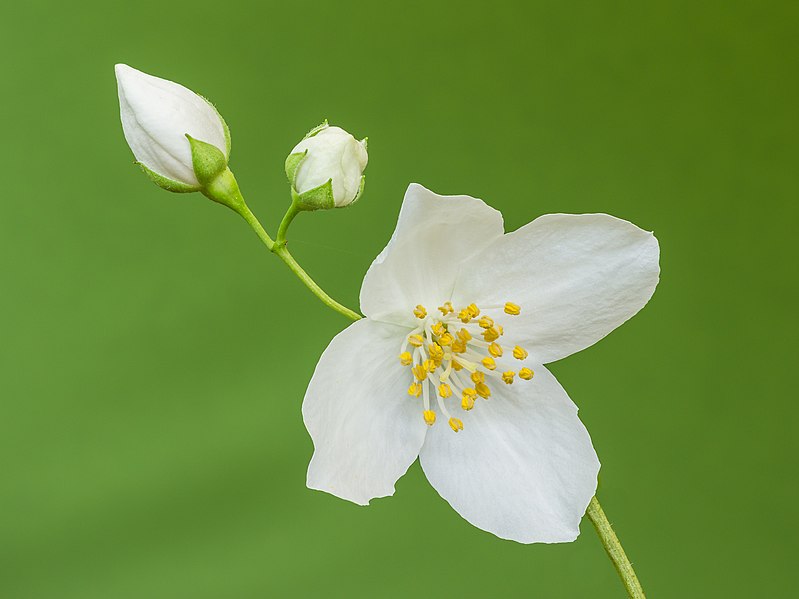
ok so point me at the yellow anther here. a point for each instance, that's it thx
(482, 390)
(469, 392)
(438, 329)
(491, 334)
(405, 358)
(435, 351)
(489, 363)
(416, 340)
(445, 339)
(495, 349)
(507, 376)
(419, 372)
(512, 309)
(446, 308)
(455, 424)
(429, 417)
(444, 390)
(485, 322)
(478, 377)
(456, 366)
(429, 365)
(473, 310)
(526, 374)
(519, 353)
(499, 329)
(464, 316)
(420, 311)
(458, 346)
(415, 389)
(467, 403)
(464, 335)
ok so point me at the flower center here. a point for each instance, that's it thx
(457, 356)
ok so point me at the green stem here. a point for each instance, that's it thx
(279, 247)
(284, 224)
(614, 549)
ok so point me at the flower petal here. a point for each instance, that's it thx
(523, 467)
(365, 428)
(577, 277)
(434, 235)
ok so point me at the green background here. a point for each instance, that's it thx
(154, 355)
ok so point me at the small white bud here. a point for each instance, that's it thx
(157, 115)
(332, 155)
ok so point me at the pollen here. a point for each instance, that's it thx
(512, 309)
(495, 349)
(446, 308)
(419, 372)
(415, 389)
(436, 353)
(482, 390)
(456, 424)
(491, 334)
(464, 335)
(464, 316)
(458, 346)
(519, 353)
(445, 339)
(429, 365)
(416, 340)
(405, 358)
(485, 322)
(489, 363)
(507, 376)
(526, 374)
(420, 311)
(467, 402)
(478, 377)
(429, 417)
(444, 390)
(456, 366)
(438, 329)
(473, 310)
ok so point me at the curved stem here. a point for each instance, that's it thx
(284, 224)
(614, 549)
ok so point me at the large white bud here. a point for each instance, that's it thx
(158, 118)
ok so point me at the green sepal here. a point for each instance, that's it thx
(318, 198)
(166, 183)
(208, 161)
(317, 129)
(224, 189)
(357, 195)
(292, 164)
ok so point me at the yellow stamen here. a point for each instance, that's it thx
(500, 330)
(489, 363)
(469, 392)
(429, 417)
(415, 389)
(491, 334)
(512, 309)
(467, 403)
(464, 335)
(420, 311)
(526, 374)
(495, 349)
(446, 308)
(464, 316)
(429, 365)
(405, 358)
(416, 340)
(519, 353)
(473, 310)
(458, 346)
(444, 390)
(456, 366)
(455, 424)
(419, 372)
(478, 377)
(445, 339)
(435, 351)
(482, 390)
(507, 376)
(485, 322)
(438, 329)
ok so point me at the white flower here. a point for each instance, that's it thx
(460, 316)
(332, 154)
(156, 117)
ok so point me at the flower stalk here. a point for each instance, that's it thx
(614, 550)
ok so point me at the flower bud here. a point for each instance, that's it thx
(162, 122)
(326, 168)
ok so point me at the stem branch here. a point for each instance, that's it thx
(614, 549)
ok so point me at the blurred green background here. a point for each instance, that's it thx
(154, 355)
